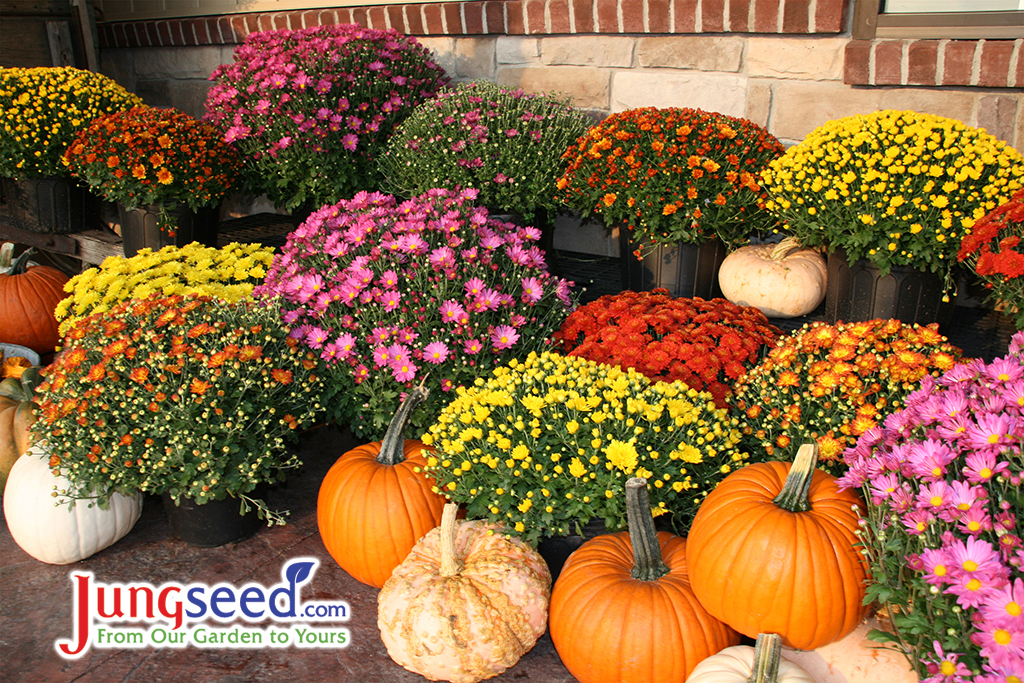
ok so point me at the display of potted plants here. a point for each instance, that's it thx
(891, 193)
(166, 171)
(829, 384)
(41, 111)
(708, 345)
(189, 397)
(504, 142)
(992, 250)
(229, 273)
(682, 186)
(941, 532)
(547, 444)
(430, 290)
(311, 110)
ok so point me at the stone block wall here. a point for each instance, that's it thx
(789, 65)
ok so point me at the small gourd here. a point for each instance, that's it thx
(783, 280)
(49, 529)
(17, 416)
(762, 663)
(466, 603)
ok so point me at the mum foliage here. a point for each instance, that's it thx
(41, 111)
(942, 529)
(993, 250)
(549, 443)
(191, 396)
(310, 110)
(673, 175)
(504, 142)
(708, 345)
(429, 290)
(155, 156)
(831, 383)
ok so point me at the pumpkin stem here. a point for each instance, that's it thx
(21, 263)
(767, 656)
(647, 562)
(392, 448)
(6, 252)
(794, 494)
(450, 563)
(785, 248)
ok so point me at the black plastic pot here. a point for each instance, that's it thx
(140, 227)
(685, 270)
(214, 523)
(556, 549)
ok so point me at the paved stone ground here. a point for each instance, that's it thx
(36, 602)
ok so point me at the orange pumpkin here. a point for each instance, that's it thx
(622, 610)
(772, 550)
(28, 297)
(375, 502)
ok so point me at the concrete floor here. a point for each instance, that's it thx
(36, 602)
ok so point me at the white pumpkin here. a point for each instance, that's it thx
(56, 534)
(743, 664)
(783, 280)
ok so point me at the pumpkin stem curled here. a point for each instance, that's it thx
(392, 448)
(21, 263)
(450, 563)
(647, 562)
(785, 248)
(794, 494)
(767, 655)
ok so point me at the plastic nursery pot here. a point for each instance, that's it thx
(684, 269)
(214, 523)
(139, 228)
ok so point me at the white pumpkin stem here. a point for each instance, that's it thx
(785, 248)
(767, 657)
(648, 564)
(451, 564)
(6, 253)
(794, 495)
(392, 448)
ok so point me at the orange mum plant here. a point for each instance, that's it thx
(673, 175)
(831, 383)
(993, 249)
(708, 345)
(192, 396)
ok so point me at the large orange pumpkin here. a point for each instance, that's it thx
(622, 610)
(772, 550)
(28, 297)
(375, 502)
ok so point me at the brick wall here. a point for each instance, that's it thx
(789, 65)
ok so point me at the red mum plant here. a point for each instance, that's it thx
(708, 345)
(993, 250)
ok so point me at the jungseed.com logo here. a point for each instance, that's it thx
(177, 615)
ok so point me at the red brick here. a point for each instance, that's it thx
(414, 19)
(958, 62)
(1020, 76)
(395, 17)
(163, 34)
(375, 18)
(922, 59)
(201, 31)
(473, 17)
(558, 10)
(514, 17)
(995, 63)
(607, 19)
(105, 36)
(535, 17)
(686, 16)
(856, 63)
(359, 17)
(659, 16)
(252, 23)
(174, 28)
(829, 15)
(453, 18)
(796, 16)
(226, 32)
(766, 16)
(739, 14)
(494, 11)
(888, 62)
(307, 19)
(632, 16)
(147, 34)
(344, 15)
(179, 35)
(432, 16)
(264, 22)
(712, 16)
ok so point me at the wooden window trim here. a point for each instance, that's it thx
(869, 23)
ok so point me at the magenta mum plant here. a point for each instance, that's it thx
(942, 478)
(430, 290)
(310, 110)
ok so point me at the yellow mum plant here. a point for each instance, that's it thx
(897, 188)
(547, 444)
(41, 111)
(228, 274)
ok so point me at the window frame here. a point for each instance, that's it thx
(870, 23)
